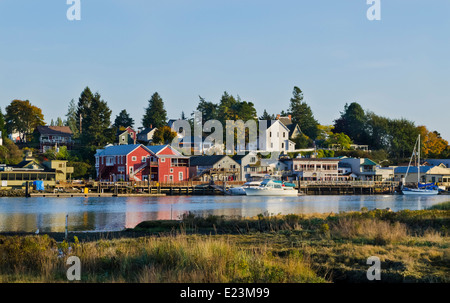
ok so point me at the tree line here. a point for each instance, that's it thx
(90, 119)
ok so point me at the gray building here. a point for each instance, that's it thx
(216, 168)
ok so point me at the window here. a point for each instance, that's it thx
(171, 170)
(144, 159)
(163, 159)
(131, 170)
(270, 134)
(253, 159)
(284, 135)
(282, 145)
(133, 158)
(180, 176)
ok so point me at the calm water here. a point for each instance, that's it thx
(112, 214)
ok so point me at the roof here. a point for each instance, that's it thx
(54, 130)
(270, 123)
(286, 121)
(146, 131)
(412, 169)
(238, 158)
(369, 162)
(206, 160)
(119, 150)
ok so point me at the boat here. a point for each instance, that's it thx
(271, 187)
(422, 189)
(240, 191)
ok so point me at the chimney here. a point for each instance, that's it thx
(290, 117)
(278, 117)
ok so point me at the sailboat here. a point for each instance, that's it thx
(422, 189)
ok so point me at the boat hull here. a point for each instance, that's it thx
(421, 192)
(271, 192)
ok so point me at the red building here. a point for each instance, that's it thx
(137, 162)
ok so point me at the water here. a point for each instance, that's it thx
(113, 214)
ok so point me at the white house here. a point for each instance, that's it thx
(276, 138)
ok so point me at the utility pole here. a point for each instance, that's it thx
(81, 119)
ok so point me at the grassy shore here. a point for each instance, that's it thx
(413, 246)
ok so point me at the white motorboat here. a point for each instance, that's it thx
(272, 188)
(240, 191)
(422, 189)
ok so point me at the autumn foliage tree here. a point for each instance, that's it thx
(23, 117)
(432, 142)
(164, 135)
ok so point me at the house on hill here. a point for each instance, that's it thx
(276, 138)
(146, 135)
(54, 137)
(294, 129)
(126, 136)
(137, 162)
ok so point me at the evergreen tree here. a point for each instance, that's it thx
(302, 114)
(97, 131)
(124, 120)
(83, 109)
(72, 119)
(155, 114)
(208, 109)
(353, 122)
(3, 125)
(59, 122)
(267, 116)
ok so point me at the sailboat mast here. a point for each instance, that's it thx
(418, 164)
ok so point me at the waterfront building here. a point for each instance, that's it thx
(137, 162)
(436, 162)
(54, 137)
(428, 174)
(215, 168)
(251, 167)
(50, 172)
(314, 169)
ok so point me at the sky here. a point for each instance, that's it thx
(126, 50)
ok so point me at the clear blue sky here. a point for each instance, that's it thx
(257, 49)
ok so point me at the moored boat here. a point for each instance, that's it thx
(240, 191)
(272, 188)
(422, 189)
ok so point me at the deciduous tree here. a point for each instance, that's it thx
(23, 117)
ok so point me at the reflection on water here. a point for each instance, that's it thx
(111, 214)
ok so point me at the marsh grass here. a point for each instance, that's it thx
(176, 258)
(412, 245)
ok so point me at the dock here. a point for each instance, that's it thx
(156, 189)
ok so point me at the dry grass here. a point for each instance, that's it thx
(174, 259)
(414, 246)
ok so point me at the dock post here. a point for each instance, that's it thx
(67, 228)
(26, 189)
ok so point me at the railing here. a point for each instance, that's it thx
(349, 183)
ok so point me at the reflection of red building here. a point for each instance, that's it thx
(137, 162)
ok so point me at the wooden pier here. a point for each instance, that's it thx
(149, 189)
